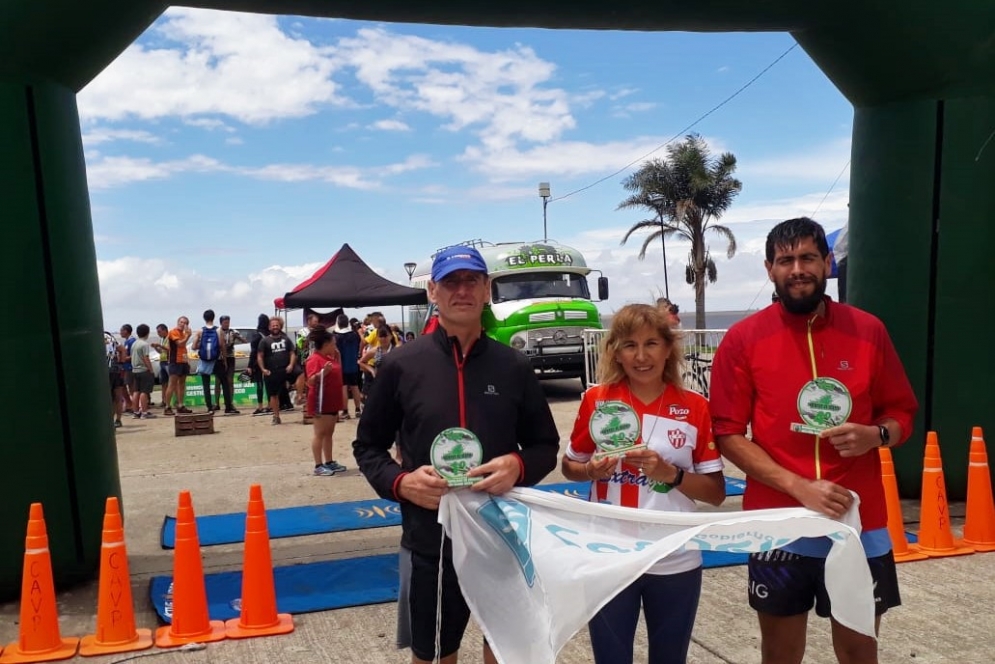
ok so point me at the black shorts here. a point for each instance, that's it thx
(786, 584)
(275, 382)
(179, 369)
(350, 379)
(144, 382)
(416, 606)
(116, 379)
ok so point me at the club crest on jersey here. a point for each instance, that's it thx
(677, 438)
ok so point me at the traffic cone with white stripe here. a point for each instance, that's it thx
(935, 537)
(116, 630)
(979, 525)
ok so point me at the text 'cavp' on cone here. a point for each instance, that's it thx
(936, 538)
(116, 631)
(39, 639)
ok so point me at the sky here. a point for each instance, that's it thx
(231, 155)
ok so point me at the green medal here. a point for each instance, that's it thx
(823, 403)
(615, 429)
(455, 451)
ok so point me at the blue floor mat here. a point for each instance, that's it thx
(324, 586)
(334, 517)
(321, 586)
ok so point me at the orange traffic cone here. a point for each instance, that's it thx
(190, 621)
(39, 639)
(259, 616)
(979, 526)
(115, 608)
(935, 537)
(896, 525)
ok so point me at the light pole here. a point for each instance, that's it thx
(410, 269)
(544, 193)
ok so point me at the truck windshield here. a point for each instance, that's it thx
(538, 284)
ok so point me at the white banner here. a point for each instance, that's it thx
(535, 567)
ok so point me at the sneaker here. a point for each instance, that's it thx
(168, 412)
(276, 420)
(287, 409)
(258, 411)
(335, 467)
(231, 411)
(136, 416)
(323, 471)
(216, 407)
(343, 415)
(184, 410)
(117, 424)
(148, 416)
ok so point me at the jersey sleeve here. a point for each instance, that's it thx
(313, 365)
(581, 447)
(730, 389)
(705, 457)
(891, 391)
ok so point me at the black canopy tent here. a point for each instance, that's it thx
(346, 281)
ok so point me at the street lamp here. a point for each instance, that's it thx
(410, 269)
(544, 194)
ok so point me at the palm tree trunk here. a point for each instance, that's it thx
(699, 298)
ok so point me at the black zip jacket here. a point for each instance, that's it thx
(421, 390)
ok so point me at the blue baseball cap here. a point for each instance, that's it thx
(451, 259)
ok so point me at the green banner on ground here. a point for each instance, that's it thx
(245, 393)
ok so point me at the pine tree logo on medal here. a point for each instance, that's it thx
(615, 429)
(455, 452)
(823, 403)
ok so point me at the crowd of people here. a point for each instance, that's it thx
(803, 344)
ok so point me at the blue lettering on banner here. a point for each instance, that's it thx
(512, 521)
(595, 547)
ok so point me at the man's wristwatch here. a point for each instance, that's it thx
(677, 479)
(885, 435)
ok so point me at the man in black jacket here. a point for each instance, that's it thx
(453, 377)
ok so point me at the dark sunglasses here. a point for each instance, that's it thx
(674, 309)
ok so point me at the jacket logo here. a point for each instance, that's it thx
(492, 391)
(844, 365)
(677, 438)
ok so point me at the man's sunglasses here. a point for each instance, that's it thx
(674, 309)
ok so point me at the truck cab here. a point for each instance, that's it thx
(540, 302)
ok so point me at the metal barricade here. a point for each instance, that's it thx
(698, 346)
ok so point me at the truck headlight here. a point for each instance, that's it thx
(518, 341)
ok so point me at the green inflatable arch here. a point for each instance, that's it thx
(920, 74)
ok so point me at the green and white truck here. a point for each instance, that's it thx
(540, 302)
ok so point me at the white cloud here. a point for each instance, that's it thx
(562, 158)
(626, 110)
(390, 125)
(209, 124)
(742, 281)
(624, 92)
(105, 135)
(239, 65)
(500, 95)
(107, 172)
(234, 140)
(821, 164)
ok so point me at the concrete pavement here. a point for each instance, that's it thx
(947, 614)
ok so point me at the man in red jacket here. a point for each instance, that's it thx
(821, 387)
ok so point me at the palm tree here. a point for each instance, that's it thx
(686, 192)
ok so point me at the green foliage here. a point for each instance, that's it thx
(686, 192)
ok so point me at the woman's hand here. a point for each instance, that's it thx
(600, 469)
(651, 464)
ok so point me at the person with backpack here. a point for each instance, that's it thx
(210, 351)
